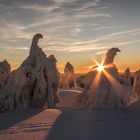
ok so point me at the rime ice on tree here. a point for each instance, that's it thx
(69, 79)
(102, 86)
(5, 69)
(136, 85)
(105, 94)
(34, 84)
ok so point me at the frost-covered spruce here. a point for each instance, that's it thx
(103, 90)
(33, 84)
(136, 85)
(69, 78)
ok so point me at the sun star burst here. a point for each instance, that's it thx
(100, 68)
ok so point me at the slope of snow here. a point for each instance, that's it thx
(69, 124)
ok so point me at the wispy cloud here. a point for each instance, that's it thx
(17, 48)
(54, 13)
(100, 52)
(64, 1)
(68, 26)
(116, 34)
(76, 31)
(98, 44)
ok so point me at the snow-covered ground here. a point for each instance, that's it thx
(67, 123)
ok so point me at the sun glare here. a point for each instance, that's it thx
(100, 68)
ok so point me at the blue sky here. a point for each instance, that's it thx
(74, 30)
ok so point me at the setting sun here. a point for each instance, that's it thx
(100, 68)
